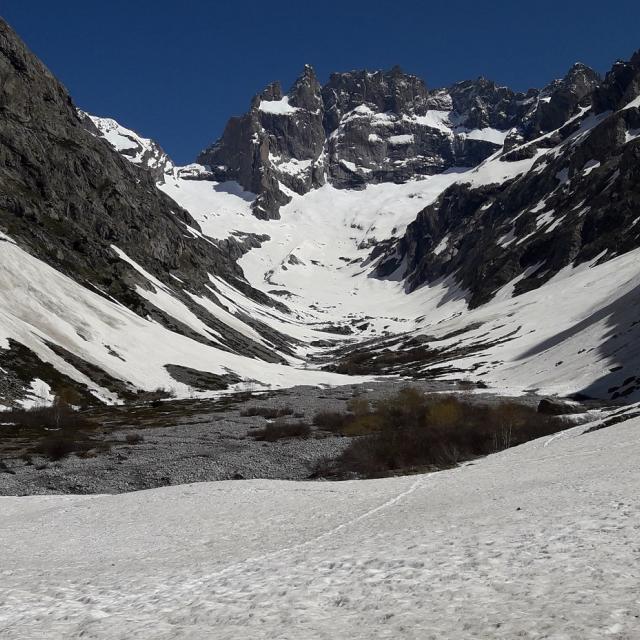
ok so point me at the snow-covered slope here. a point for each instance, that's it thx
(111, 286)
(536, 541)
(141, 151)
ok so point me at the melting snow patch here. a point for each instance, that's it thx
(403, 139)
(632, 134)
(634, 104)
(590, 166)
(279, 107)
(544, 219)
(38, 395)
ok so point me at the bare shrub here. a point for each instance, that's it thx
(59, 415)
(270, 413)
(332, 421)
(412, 431)
(281, 429)
(134, 438)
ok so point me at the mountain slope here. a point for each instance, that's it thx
(122, 273)
(79, 219)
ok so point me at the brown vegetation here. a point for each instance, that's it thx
(270, 413)
(411, 431)
(281, 429)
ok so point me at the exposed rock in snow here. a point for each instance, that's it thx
(140, 151)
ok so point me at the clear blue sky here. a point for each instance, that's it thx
(176, 70)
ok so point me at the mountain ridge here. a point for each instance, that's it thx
(340, 236)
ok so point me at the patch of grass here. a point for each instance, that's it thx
(281, 429)
(411, 431)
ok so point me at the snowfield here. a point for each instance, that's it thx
(565, 337)
(539, 541)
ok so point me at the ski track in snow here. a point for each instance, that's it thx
(540, 541)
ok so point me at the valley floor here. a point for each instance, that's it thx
(539, 541)
(195, 441)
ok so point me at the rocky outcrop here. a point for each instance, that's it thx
(275, 148)
(363, 128)
(358, 129)
(579, 203)
(142, 152)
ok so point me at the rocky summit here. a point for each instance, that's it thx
(368, 225)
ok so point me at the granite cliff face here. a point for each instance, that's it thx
(276, 147)
(358, 129)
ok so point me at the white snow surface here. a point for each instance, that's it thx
(279, 107)
(539, 541)
(634, 104)
(127, 140)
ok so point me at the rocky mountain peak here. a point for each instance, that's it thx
(306, 91)
(276, 147)
(271, 93)
(384, 91)
(620, 86)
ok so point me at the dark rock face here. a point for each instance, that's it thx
(391, 92)
(561, 99)
(360, 128)
(482, 103)
(275, 147)
(620, 86)
(573, 206)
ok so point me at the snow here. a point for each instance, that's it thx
(544, 218)
(590, 166)
(488, 134)
(634, 104)
(330, 232)
(126, 140)
(539, 541)
(292, 166)
(572, 348)
(351, 166)
(442, 245)
(494, 170)
(38, 395)
(401, 139)
(329, 229)
(278, 107)
(42, 307)
(631, 134)
(435, 119)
